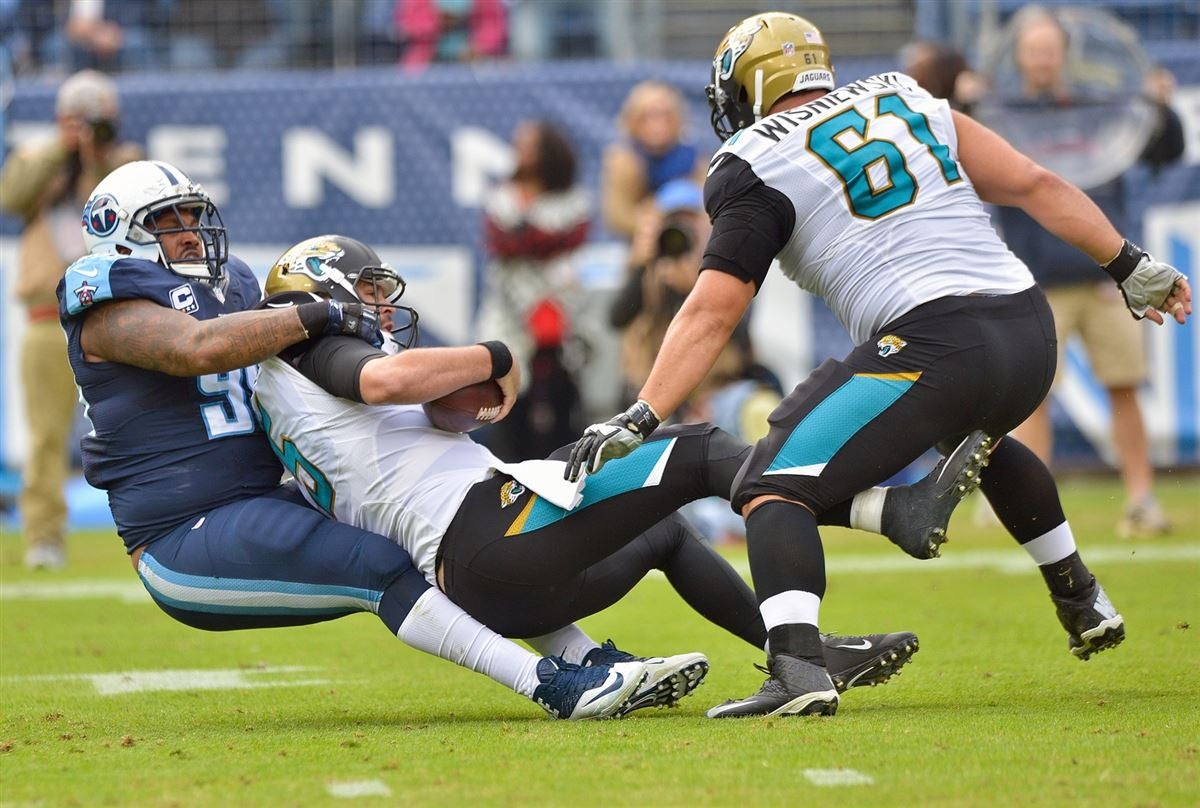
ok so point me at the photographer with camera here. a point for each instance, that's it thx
(46, 185)
(738, 394)
(664, 262)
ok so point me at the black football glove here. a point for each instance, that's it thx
(614, 438)
(348, 320)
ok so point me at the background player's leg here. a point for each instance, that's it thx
(1025, 497)
(704, 580)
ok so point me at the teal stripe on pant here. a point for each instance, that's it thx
(826, 429)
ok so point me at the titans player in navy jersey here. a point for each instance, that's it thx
(164, 349)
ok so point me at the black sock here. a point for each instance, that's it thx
(798, 640)
(1022, 491)
(838, 515)
(785, 550)
(1068, 577)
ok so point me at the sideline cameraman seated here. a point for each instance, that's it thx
(46, 185)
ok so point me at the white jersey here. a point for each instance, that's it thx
(382, 468)
(882, 215)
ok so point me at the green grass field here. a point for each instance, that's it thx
(993, 710)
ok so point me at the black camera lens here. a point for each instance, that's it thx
(104, 131)
(674, 240)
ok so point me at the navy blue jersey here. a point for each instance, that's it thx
(166, 448)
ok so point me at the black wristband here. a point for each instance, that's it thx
(641, 418)
(502, 359)
(1126, 261)
(314, 317)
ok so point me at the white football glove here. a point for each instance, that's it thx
(1144, 282)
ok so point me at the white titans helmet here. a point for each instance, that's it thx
(120, 218)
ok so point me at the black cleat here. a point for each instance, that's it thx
(915, 516)
(793, 687)
(1091, 621)
(868, 660)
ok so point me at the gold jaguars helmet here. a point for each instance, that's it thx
(760, 60)
(345, 269)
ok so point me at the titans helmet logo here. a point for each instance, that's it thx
(101, 215)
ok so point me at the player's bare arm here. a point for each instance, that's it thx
(424, 374)
(695, 339)
(145, 335)
(1004, 176)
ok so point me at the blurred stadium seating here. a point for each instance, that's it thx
(293, 113)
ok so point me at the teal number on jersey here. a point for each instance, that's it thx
(874, 172)
(304, 470)
(918, 124)
(230, 415)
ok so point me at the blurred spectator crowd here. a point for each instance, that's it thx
(63, 36)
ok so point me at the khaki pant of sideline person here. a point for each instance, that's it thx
(48, 387)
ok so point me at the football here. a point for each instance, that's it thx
(467, 408)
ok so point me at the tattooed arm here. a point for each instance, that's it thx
(149, 336)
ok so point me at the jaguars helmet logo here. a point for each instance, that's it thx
(890, 344)
(737, 42)
(311, 266)
(313, 258)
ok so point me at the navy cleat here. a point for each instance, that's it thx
(868, 660)
(1092, 622)
(794, 687)
(915, 517)
(668, 679)
(575, 692)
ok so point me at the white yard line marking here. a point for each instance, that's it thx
(838, 777)
(359, 788)
(1013, 561)
(116, 684)
(126, 591)
(1008, 562)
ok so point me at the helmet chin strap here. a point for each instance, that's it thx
(758, 87)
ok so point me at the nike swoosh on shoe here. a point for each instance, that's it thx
(610, 689)
(866, 645)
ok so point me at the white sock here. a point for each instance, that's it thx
(793, 606)
(569, 642)
(436, 625)
(866, 510)
(1052, 546)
